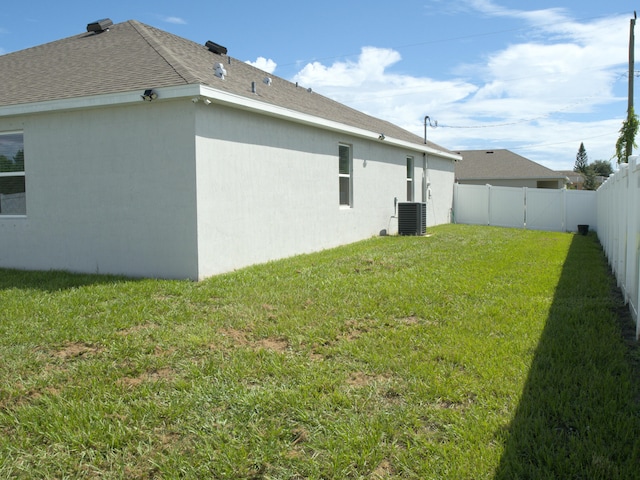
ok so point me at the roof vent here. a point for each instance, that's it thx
(99, 26)
(490, 151)
(267, 81)
(219, 70)
(215, 48)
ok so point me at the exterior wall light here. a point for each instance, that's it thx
(149, 95)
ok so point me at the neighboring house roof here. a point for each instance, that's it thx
(501, 164)
(134, 56)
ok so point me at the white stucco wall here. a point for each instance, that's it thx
(441, 176)
(178, 189)
(109, 190)
(268, 188)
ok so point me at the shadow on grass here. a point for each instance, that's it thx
(54, 280)
(579, 414)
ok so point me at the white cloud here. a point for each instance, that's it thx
(175, 20)
(264, 64)
(370, 67)
(534, 93)
(541, 17)
(367, 85)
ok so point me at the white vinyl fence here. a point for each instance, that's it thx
(532, 208)
(613, 211)
(619, 229)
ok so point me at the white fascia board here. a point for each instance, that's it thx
(95, 101)
(276, 111)
(218, 96)
(70, 104)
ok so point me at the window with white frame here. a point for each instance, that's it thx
(12, 180)
(345, 174)
(410, 189)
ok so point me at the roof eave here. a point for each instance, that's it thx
(221, 97)
(250, 104)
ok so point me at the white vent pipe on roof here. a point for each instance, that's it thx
(219, 70)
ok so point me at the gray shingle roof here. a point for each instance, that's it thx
(133, 56)
(500, 164)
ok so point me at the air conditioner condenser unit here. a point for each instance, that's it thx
(412, 218)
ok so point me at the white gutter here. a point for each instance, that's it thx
(217, 96)
(246, 103)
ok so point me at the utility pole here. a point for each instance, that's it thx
(629, 149)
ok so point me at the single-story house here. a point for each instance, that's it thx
(128, 150)
(504, 168)
(576, 179)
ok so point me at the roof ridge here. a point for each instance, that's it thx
(178, 66)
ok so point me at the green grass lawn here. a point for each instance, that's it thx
(473, 353)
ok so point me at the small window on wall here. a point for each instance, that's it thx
(409, 179)
(12, 184)
(345, 170)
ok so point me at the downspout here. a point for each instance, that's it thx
(425, 183)
(424, 177)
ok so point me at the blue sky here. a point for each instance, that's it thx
(537, 78)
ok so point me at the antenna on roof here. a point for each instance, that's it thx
(215, 48)
(99, 26)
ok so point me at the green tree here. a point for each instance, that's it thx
(6, 165)
(18, 160)
(627, 138)
(589, 179)
(582, 160)
(12, 184)
(12, 165)
(602, 168)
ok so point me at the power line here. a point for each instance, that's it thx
(526, 147)
(527, 120)
(444, 40)
(516, 122)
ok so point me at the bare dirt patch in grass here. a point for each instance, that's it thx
(163, 374)
(356, 328)
(273, 344)
(443, 404)
(384, 470)
(316, 357)
(410, 320)
(361, 379)
(77, 349)
(237, 337)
